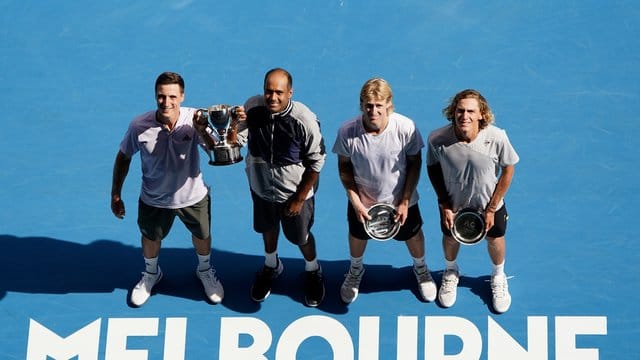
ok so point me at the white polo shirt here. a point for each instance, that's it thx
(380, 161)
(170, 160)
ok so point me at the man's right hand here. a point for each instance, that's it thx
(117, 206)
(200, 121)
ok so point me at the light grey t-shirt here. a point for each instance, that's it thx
(380, 161)
(471, 170)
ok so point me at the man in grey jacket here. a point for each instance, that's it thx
(285, 155)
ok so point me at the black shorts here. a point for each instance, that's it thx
(155, 223)
(269, 215)
(498, 229)
(411, 226)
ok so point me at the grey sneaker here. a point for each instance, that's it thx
(426, 285)
(351, 285)
(449, 288)
(500, 293)
(212, 285)
(142, 291)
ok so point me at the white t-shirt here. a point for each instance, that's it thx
(380, 161)
(471, 170)
(171, 176)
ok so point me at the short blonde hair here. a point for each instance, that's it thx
(487, 116)
(377, 89)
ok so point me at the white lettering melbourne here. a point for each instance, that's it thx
(363, 345)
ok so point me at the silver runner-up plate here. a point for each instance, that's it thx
(468, 226)
(382, 225)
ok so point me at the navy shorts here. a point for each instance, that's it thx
(411, 226)
(269, 215)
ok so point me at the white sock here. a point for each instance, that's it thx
(311, 265)
(271, 259)
(204, 262)
(357, 262)
(418, 262)
(151, 265)
(451, 265)
(498, 269)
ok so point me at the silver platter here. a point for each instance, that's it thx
(382, 225)
(468, 226)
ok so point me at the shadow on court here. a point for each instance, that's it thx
(42, 265)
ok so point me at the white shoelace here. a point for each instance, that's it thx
(449, 283)
(423, 276)
(148, 280)
(499, 288)
(353, 280)
(210, 276)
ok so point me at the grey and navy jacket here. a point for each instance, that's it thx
(281, 147)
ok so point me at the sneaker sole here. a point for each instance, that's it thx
(430, 298)
(446, 305)
(348, 302)
(313, 304)
(259, 300)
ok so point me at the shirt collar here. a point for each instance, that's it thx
(284, 112)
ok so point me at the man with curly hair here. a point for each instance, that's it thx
(470, 163)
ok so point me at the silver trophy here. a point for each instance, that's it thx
(468, 226)
(226, 150)
(383, 225)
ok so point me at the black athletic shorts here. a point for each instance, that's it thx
(498, 229)
(269, 215)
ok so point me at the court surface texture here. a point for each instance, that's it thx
(562, 78)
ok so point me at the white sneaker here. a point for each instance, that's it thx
(351, 285)
(141, 292)
(449, 288)
(212, 286)
(426, 285)
(500, 293)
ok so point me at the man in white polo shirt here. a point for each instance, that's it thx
(172, 184)
(379, 161)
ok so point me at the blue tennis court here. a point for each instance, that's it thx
(562, 79)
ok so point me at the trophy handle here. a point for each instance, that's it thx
(232, 133)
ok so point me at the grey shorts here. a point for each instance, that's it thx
(155, 223)
(269, 215)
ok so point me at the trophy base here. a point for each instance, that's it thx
(225, 155)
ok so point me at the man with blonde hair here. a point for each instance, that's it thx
(379, 161)
(470, 163)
